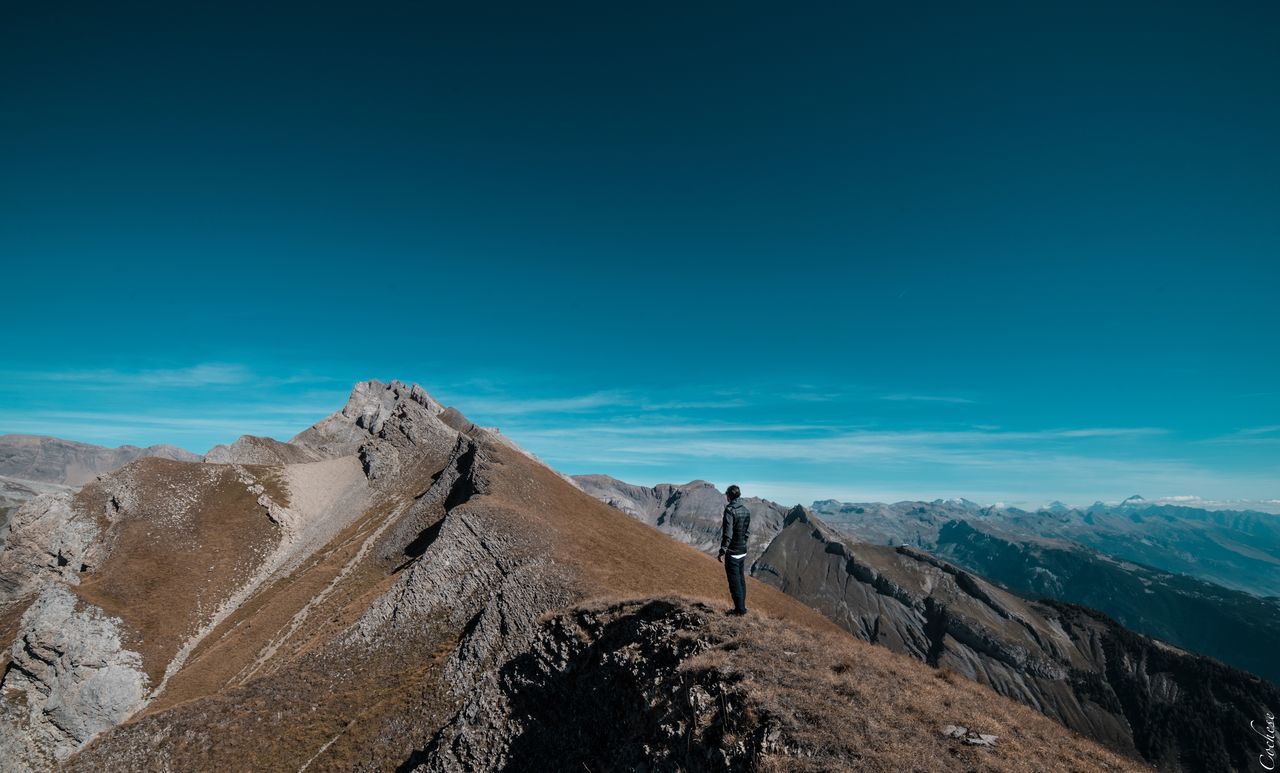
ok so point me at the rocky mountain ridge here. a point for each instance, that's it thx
(390, 603)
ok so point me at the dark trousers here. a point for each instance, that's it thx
(737, 582)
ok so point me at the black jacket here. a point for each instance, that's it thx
(734, 528)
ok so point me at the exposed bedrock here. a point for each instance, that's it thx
(76, 676)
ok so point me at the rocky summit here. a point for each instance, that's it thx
(397, 588)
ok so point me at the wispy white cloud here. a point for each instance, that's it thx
(1078, 464)
(1268, 435)
(186, 432)
(1267, 430)
(600, 401)
(809, 442)
(688, 405)
(813, 397)
(188, 429)
(482, 405)
(210, 374)
(927, 399)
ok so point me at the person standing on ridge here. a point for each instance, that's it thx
(733, 547)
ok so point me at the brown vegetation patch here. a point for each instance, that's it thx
(194, 536)
(230, 649)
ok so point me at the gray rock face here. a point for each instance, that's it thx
(486, 577)
(366, 413)
(69, 676)
(691, 513)
(635, 648)
(52, 460)
(964, 735)
(77, 677)
(15, 491)
(45, 540)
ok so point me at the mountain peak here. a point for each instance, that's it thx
(371, 401)
(797, 513)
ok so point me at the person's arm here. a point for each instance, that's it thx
(726, 531)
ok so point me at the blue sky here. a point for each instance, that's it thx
(1005, 252)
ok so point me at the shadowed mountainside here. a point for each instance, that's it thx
(1002, 545)
(1232, 626)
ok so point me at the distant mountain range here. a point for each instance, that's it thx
(1234, 549)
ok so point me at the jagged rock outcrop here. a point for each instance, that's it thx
(46, 539)
(371, 405)
(73, 673)
(14, 491)
(691, 512)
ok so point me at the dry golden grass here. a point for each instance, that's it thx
(231, 647)
(196, 536)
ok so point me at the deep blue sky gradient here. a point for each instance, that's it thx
(1014, 251)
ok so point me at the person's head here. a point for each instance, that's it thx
(732, 493)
